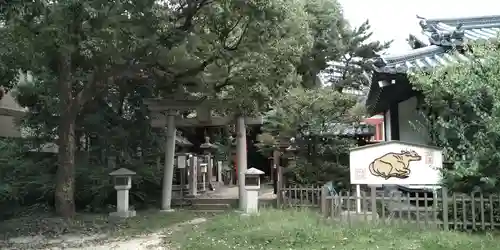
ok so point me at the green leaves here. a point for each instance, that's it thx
(463, 106)
(313, 117)
(317, 109)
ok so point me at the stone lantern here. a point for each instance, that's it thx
(122, 179)
(290, 153)
(252, 187)
(282, 144)
(208, 149)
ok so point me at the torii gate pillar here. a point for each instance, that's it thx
(168, 174)
(241, 158)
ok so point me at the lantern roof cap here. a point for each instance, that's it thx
(122, 172)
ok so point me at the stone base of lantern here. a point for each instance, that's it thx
(167, 210)
(124, 214)
(245, 214)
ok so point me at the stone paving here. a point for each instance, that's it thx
(231, 192)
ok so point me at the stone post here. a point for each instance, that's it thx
(203, 169)
(219, 171)
(193, 176)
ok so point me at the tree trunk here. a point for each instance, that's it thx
(65, 176)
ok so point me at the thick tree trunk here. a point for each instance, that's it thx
(65, 176)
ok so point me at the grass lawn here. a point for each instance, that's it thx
(285, 229)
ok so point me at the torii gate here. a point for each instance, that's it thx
(165, 110)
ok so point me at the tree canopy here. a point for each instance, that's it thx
(317, 119)
(84, 67)
(461, 103)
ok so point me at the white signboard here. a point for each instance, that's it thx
(395, 162)
(181, 161)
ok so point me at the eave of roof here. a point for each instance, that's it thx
(12, 112)
(443, 36)
(422, 59)
(475, 28)
(447, 40)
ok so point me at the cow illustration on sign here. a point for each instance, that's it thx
(394, 164)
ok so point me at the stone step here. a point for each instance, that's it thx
(202, 200)
(232, 203)
(211, 207)
(211, 211)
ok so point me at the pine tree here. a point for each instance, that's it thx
(357, 52)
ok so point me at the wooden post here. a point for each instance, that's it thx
(374, 203)
(444, 197)
(358, 199)
(324, 204)
(279, 196)
(276, 163)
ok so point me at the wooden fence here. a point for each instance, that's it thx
(473, 211)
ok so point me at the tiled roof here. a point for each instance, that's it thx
(182, 141)
(473, 28)
(418, 59)
(444, 35)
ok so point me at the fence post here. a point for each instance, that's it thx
(279, 196)
(374, 203)
(279, 185)
(324, 206)
(444, 197)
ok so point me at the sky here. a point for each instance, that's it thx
(396, 19)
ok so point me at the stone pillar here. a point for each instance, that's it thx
(241, 158)
(210, 170)
(122, 201)
(193, 176)
(169, 164)
(219, 171)
(203, 170)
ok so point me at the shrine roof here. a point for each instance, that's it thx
(436, 45)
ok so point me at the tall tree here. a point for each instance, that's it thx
(102, 56)
(339, 51)
(356, 51)
(326, 27)
(80, 48)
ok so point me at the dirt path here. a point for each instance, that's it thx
(154, 241)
